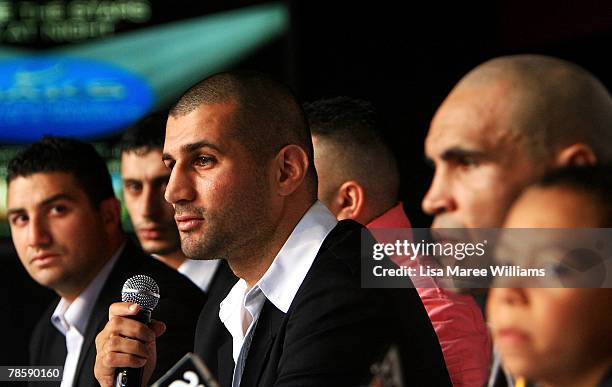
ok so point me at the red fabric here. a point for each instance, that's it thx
(456, 318)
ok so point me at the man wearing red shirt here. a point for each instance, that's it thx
(359, 180)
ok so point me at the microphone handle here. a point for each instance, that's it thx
(132, 377)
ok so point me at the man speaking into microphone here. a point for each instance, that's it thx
(65, 225)
(244, 188)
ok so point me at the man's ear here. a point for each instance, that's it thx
(291, 164)
(576, 155)
(349, 201)
(110, 211)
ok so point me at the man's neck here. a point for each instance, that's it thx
(72, 291)
(253, 262)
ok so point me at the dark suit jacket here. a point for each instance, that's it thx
(179, 306)
(334, 329)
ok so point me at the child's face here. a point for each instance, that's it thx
(547, 334)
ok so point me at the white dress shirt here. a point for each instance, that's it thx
(71, 318)
(200, 272)
(240, 310)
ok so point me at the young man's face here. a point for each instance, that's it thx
(220, 196)
(549, 333)
(480, 164)
(144, 183)
(58, 234)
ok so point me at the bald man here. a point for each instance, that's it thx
(506, 123)
(359, 180)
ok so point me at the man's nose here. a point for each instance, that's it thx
(38, 233)
(151, 202)
(438, 198)
(180, 187)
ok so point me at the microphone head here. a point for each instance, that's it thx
(142, 290)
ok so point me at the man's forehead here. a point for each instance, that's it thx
(465, 122)
(140, 157)
(143, 166)
(41, 186)
(211, 123)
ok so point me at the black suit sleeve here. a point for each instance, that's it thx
(179, 307)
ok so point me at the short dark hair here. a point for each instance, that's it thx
(268, 115)
(61, 154)
(145, 135)
(594, 181)
(355, 128)
(338, 116)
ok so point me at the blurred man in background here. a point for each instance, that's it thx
(65, 224)
(359, 180)
(506, 123)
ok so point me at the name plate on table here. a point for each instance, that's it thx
(190, 371)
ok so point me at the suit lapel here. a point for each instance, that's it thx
(266, 331)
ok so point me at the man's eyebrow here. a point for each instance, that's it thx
(456, 153)
(189, 148)
(46, 202)
(12, 211)
(56, 197)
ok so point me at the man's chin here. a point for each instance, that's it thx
(197, 251)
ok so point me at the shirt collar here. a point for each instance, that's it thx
(76, 314)
(395, 217)
(285, 275)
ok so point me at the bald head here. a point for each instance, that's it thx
(549, 102)
(505, 124)
(349, 147)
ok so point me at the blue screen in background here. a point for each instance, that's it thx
(68, 96)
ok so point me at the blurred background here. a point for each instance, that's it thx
(90, 68)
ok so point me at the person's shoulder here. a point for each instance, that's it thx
(42, 327)
(335, 274)
(340, 257)
(342, 245)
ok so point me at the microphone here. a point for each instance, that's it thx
(142, 290)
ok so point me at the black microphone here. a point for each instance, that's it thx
(141, 290)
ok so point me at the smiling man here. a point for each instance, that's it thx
(244, 189)
(65, 225)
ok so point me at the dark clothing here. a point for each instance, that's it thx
(179, 306)
(333, 331)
